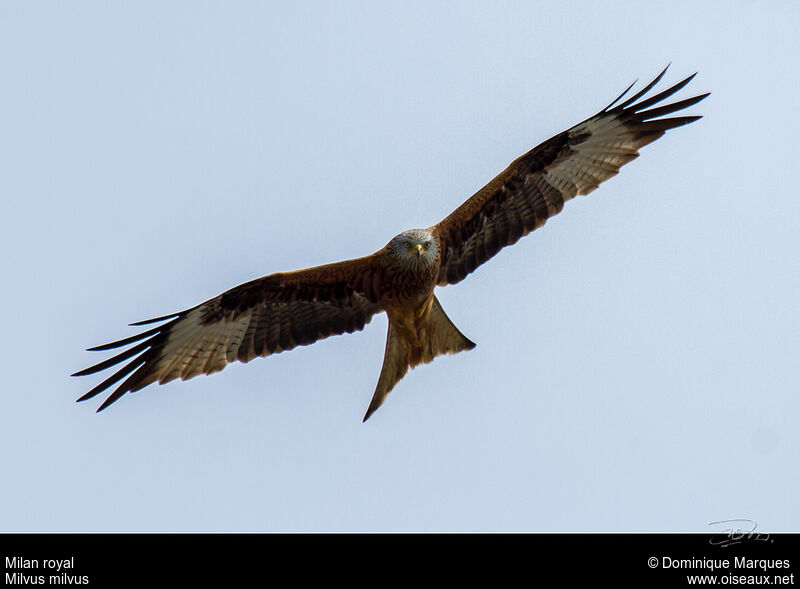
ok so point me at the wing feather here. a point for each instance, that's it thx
(262, 317)
(536, 185)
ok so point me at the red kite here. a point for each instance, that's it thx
(280, 311)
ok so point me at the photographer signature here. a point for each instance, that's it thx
(736, 531)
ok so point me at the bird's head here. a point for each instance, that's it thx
(415, 247)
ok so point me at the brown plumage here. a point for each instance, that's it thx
(280, 311)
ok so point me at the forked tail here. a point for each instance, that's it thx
(436, 336)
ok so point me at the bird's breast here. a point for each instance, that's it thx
(409, 288)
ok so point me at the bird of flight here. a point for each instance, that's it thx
(287, 309)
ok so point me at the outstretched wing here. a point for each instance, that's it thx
(536, 185)
(262, 317)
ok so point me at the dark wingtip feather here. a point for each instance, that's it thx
(84, 372)
(669, 108)
(137, 356)
(644, 90)
(617, 99)
(154, 320)
(661, 95)
(126, 341)
(115, 359)
(114, 378)
(639, 94)
(671, 123)
(111, 400)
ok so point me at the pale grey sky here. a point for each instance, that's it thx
(636, 367)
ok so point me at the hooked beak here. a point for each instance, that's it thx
(418, 249)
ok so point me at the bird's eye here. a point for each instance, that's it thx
(408, 245)
(427, 245)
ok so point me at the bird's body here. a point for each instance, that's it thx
(419, 330)
(280, 311)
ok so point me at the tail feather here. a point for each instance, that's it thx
(435, 336)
